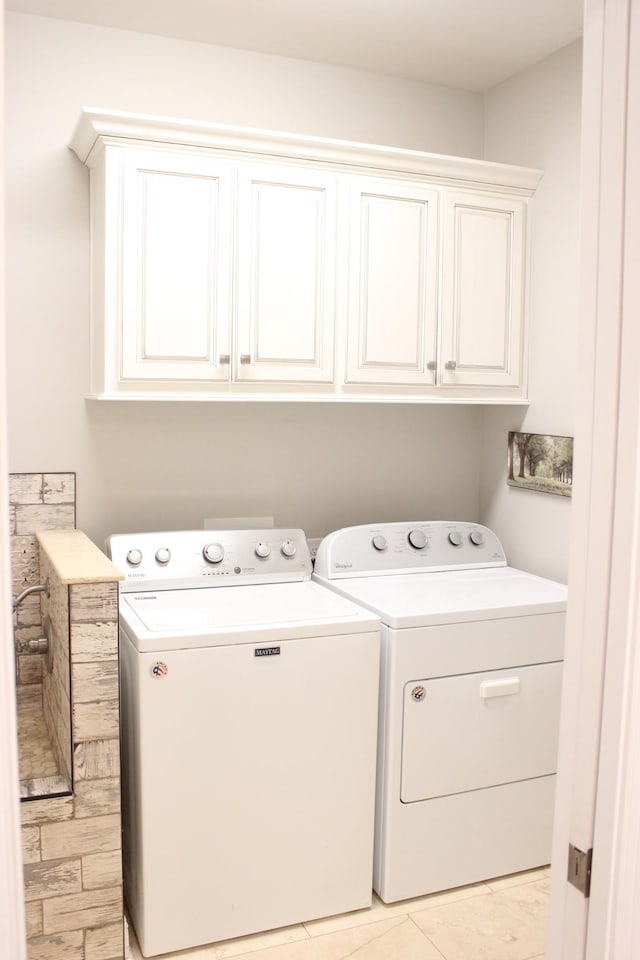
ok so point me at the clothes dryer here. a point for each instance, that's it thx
(471, 665)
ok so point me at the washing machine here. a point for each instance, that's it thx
(471, 664)
(249, 698)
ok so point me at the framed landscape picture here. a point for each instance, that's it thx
(539, 461)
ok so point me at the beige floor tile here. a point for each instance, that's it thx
(383, 911)
(404, 942)
(356, 942)
(505, 925)
(466, 923)
(530, 892)
(515, 879)
(436, 899)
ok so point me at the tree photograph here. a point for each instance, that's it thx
(537, 461)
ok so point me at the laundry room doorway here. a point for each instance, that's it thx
(599, 763)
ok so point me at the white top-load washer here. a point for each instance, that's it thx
(469, 705)
(249, 714)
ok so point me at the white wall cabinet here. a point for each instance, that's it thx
(482, 290)
(286, 275)
(173, 266)
(229, 263)
(393, 283)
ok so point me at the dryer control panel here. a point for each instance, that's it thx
(418, 547)
(209, 558)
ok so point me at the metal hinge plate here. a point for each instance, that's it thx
(579, 870)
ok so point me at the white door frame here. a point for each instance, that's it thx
(599, 764)
(12, 931)
(599, 780)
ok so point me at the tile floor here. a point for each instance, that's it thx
(503, 919)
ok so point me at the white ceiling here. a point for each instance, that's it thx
(473, 44)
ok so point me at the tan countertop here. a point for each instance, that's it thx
(75, 558)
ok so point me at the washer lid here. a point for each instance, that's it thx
(179, 619)
(420, 599)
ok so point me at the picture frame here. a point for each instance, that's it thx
(540, 461)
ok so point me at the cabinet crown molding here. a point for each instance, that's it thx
(97, 126)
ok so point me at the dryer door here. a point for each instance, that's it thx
(479, 730)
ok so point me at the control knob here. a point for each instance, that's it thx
(417, 539)
(455, 537)
(379, 542)
(213, 552)
(134, 557)
(288, 548)
(163, 555)
(262, 550)
(477, 537)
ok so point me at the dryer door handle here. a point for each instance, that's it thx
(500, 688)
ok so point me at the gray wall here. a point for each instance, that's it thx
(318, 466)
(169, 465)
(534, 120)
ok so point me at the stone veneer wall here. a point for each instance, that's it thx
(72, 844)
(56, 685)
(37, 501)
(42, 501)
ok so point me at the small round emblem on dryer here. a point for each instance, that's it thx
(418, 539)
(213, 552)
(159, 670)
(134, 557)
(379, 542)
(262, 550)
(477, 537)
(288, 548)
(418, 694)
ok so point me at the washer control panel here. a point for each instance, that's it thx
(209, 558)
(388, 548)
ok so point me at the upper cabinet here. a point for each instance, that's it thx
(483, 258)
(286, 268)
(392, 269)
(166, 291)
(229, 263)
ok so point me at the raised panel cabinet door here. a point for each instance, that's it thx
(483, 290)
(176, 267)
(393, 283)
(286, 275)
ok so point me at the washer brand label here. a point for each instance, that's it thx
(159, 670)
(343, 566)
(266, 651)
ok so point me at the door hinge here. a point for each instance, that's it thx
(579, 871)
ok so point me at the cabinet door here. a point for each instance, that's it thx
(176, 267)
(393, 278)
(286, 275)
(483, 295)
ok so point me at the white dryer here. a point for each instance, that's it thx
(469, 705)
(249, 717)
